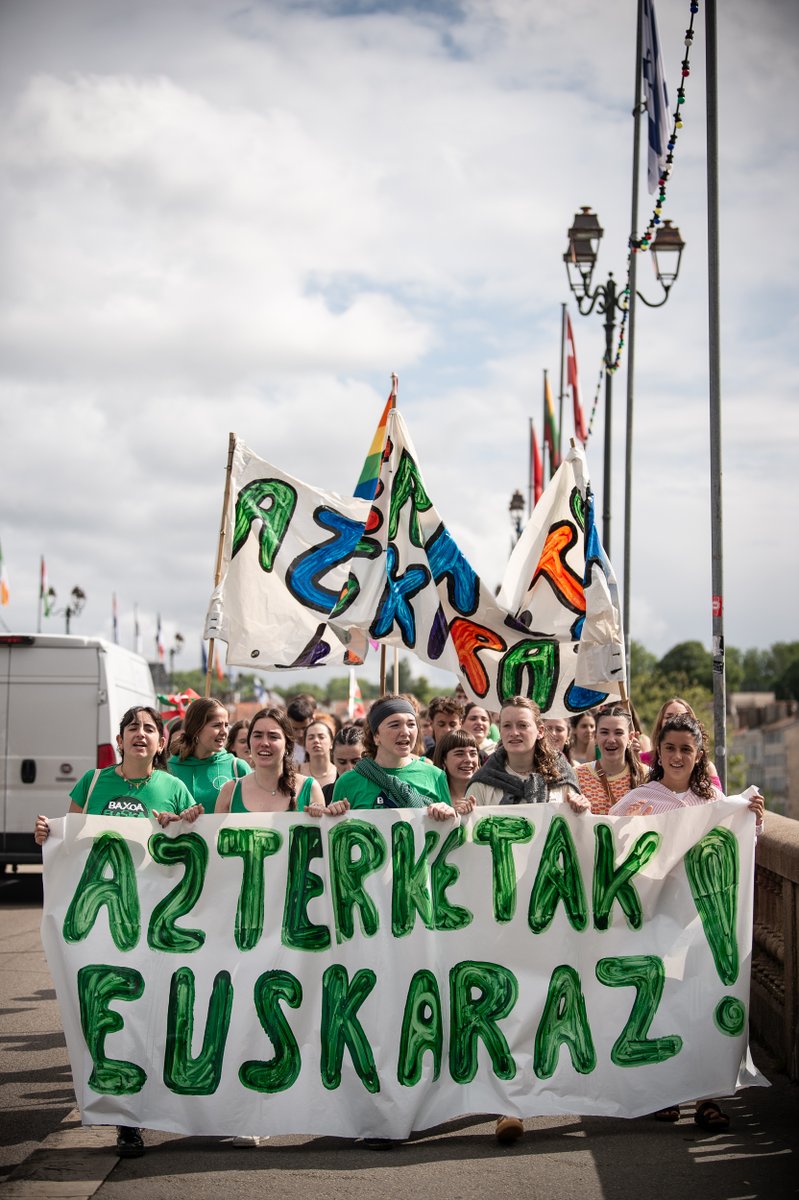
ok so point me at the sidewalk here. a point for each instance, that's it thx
(570, 1158)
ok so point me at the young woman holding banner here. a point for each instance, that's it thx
(201, 760)
(617, 769)
(139, 786)
(390, 775)
(272, 786)
(524, 769)
(456, 754)
(680, 778)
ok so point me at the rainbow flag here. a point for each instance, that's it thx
(366, 486)
(551, 438)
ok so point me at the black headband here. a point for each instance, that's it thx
(386, 708)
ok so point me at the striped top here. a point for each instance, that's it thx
(653, 798)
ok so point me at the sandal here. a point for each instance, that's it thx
(709, 1116)
(672, 1113)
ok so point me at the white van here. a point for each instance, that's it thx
(61, 701)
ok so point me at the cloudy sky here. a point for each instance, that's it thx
(244, 216)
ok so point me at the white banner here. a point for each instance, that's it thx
(410, 586)
(381, 973)
(286, 557)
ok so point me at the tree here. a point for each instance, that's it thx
(690, 662)
(788, 683)
(643, 664)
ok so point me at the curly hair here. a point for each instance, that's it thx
(545, 760)
(700, 781)
(287, 783)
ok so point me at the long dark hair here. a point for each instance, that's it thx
(288, 775)
(159, 760)
(700, 781)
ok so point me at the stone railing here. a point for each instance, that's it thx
(775, 954)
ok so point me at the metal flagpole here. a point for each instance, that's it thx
(560, 398)
(714, 339)
(631, 303)
(219, 552)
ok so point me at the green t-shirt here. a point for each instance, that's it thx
(113, 797)
(205, 777)
(420, 774)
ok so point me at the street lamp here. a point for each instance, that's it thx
(173, 650)
(73, 609)
(580, 259)
(516, 510)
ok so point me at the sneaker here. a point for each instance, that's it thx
(130, 1143)
(249, 1139)
(509, 1129)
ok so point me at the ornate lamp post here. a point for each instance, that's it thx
(77, 601)
(516, 511)
(580, 259)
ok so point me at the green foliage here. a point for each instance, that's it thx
(689, 661)
(643, 663)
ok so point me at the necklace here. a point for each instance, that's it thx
(135, 783)
(272, 791)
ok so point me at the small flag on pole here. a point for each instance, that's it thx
(550, 428)
(657, 98)
(4, 593)
(366, 486)
(114, 618)
(159, 640)
(220, 674)
(580, 431)
(355, 708)
(536, 467)
(204, 658)
(137, 645)
(44, 590)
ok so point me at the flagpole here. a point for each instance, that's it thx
(231, 446)
(560, 397)
(41, 590)
(631, 305)
(530, 482)
(714, 339)
(396, 669)
(546, 448)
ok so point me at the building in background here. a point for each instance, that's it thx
(766, 734)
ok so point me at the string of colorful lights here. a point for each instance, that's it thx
(644, 243)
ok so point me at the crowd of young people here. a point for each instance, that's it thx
(295, 759)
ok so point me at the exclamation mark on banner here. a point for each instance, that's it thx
(713, 874)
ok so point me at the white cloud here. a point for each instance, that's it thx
(219, 218)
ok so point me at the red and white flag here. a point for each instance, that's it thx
(572, 377)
